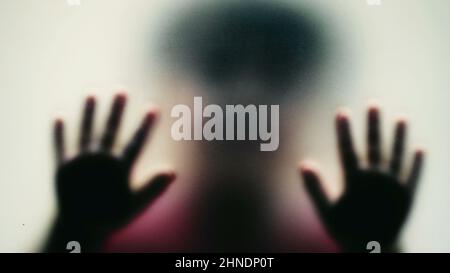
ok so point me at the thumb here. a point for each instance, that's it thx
(315, 190)
(152, 190)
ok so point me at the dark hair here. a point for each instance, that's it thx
(277, 43)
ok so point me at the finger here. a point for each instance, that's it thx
(135, 146)
(345, 143)
(113, 122)
(373, 136)
(415, 170)
(58, 135)
(86, 123)
(398, 147)
(315, 190)
(154, 188)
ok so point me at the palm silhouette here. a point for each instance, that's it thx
(376, 202)
(94, 196)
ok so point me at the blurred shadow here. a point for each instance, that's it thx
(245, 53)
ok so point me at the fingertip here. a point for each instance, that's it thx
(308, 168)
(373, 105)
(90, 100)
(310, 177)
(167, 176)
(171, 176)
(401, 121)
(373, 111)
(419, 152)
(305, 165)
(59, 122)
(401, 118)
(342, 114)
(121, 96)
(152, 113)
